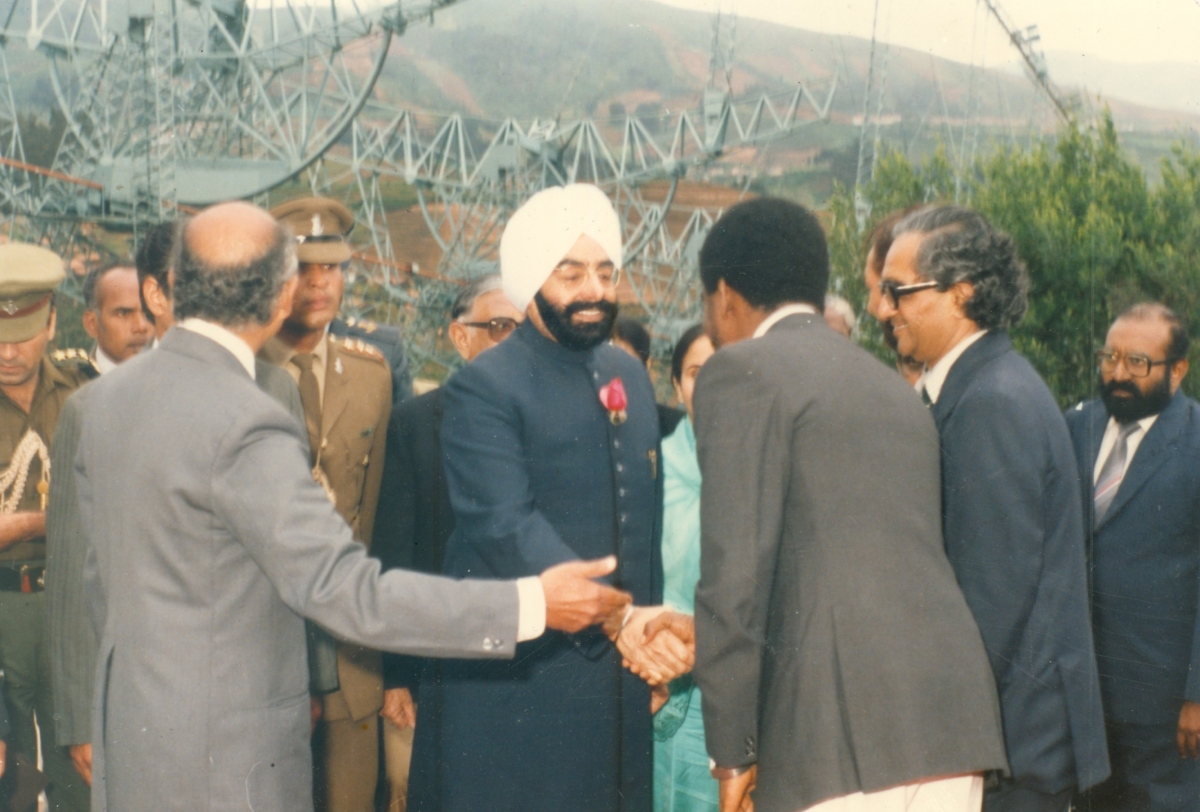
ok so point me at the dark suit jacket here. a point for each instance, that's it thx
(538, 475)
(414, 519)
(1014, 534)
(1146, 564)
(833, 646)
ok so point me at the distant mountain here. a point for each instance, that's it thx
(529, 58)
(1166, 85)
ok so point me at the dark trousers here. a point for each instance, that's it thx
(1012, 796)
(25, 660)
(1147, 773)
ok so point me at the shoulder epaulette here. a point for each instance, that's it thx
(364, 325)
(76, 359)
(360, 347)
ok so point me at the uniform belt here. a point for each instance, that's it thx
(22, 576)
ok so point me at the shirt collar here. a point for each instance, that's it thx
(215, 332)
(934, 378)
(781, 313)
(102, 362)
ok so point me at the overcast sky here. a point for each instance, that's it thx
(1136, 31)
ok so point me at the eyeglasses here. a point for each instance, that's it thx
(895, 292)
(498, 328)
(1138, 365)
(573, 277)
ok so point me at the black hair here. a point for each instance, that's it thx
(631, 331)
(1179, 343)
(682, 346)
(156, 255)
(770, 251)
(233, 295)
(960, 245)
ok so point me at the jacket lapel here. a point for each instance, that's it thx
(977, 356)
(337, 393)
(1150, 453)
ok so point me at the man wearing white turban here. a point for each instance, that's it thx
(550, 443)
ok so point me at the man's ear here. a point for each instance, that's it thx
(1179, 371)
(459, 338)
(91, 323)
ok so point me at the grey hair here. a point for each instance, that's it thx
(474, 289)
(962, 246)
(234, 295)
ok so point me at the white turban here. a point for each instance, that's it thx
(543, 230)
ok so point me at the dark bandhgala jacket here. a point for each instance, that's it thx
(833, 646)
(1014, 534)
(1146, 565)
(539, 475)
(414, 519)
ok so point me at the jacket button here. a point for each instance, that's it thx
(620, 492)
(620, 467)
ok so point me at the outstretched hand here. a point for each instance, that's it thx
(655, 653)
(574, 601)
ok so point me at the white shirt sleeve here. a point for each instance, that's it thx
(531, 608)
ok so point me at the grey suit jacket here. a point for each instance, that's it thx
(833, 645)
(70, 638)
(203, 559)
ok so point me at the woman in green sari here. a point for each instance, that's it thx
(682, 782)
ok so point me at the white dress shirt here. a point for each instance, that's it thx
(934, 377)
(230, 341)
(780, 313)
(1131, 444)
(102, 362)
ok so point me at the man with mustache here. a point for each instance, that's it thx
(1139, 445)
(545, 464)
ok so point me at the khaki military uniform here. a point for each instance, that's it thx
(23, 652)
(356, 401)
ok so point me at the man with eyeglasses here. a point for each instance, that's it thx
(415, 518)
(1138, 445)
(952, 286)
(346, 390)
(550, 444)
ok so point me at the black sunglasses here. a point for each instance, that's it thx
(498, 328)
(896, 292)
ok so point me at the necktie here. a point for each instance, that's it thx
(1109, 481)
(310, 399)
(925, 397)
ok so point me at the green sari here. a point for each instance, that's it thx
(682, 782)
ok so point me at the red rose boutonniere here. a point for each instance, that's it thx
(612, 396)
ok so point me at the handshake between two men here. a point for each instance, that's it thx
(656, 643)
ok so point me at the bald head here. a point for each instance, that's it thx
(233, 262)
(229, 235)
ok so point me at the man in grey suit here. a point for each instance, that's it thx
(70, 638)
(205, 556)
(839, 663)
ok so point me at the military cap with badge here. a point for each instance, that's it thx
(28, 276)
(320, 226)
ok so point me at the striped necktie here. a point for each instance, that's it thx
(1109, 481)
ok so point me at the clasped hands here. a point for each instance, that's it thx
(657, 643)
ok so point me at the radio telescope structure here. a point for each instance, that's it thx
(172, 104)
(471, 174)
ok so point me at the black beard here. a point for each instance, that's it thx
(574, 336)
(1138, 405)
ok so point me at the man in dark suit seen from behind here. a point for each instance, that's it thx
(414, 518)
(1139, 445)
(632, 336)
(952, 286)
(840, 666)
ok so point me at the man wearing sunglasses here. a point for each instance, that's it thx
(415, 518)
(1138, 447)
(952, 286)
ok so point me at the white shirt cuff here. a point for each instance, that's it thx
(531, 608)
